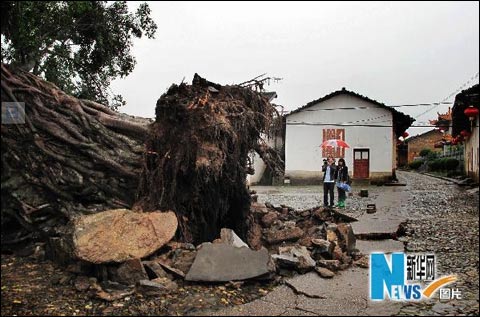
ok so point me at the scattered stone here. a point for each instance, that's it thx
(321, 214)
(337, 253)
(332, 232)
(223, 263)
(119, 235)
(235, 284)
(332, 265)
(172, 270)
(289, 224)
(158, 286)
(254, 236)
(287, 234)
(363, 262)
(81, 283)
(347, 237)
(154, 270)
(228, 236)
(296, 257)
(183, 260)
(269, 219)
(130, 272)
(324, 272)
(258, 208)
(175, 245)
(306, 241)
(322, 248)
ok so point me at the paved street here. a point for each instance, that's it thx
(440, 217)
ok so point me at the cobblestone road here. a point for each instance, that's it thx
(442, 218)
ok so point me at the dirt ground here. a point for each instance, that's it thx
(39, 287)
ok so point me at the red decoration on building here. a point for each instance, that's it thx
(471, 112)
(465, 133)
(405, 134)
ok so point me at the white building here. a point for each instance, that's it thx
(368, 126)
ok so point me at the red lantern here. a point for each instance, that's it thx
(454, 141)
(405, 134)
(471, 112)
(465, 133)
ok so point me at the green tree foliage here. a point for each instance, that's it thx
(81, 46)
(425, 152)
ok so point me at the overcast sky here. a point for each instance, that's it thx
(393, 52)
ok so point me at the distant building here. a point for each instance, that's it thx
(465, 130)
(443, 121)
(426, 140)
(370, 128)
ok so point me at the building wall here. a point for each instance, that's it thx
(303, 154)
(259, 165)
(472, 153)
(426, 141)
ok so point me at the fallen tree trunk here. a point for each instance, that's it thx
(70, 157)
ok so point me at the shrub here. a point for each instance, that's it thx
(435, 165)
(415, 164)
(451, 164)
(425, 152)
(432, 156)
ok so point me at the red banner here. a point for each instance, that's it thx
(332, 134)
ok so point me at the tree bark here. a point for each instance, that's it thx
(70, 157)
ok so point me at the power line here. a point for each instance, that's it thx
(451, 95)
(365, 107)
(358, 125)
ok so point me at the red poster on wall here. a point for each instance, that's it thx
(332, 134)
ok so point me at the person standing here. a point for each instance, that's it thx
(328, 170)
(341, 176)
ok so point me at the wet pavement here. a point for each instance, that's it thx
(440, 217)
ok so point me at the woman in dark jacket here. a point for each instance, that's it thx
(341, 175)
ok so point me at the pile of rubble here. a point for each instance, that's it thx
(118, 252)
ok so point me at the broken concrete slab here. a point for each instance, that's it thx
(228, 236)
(176, 272)
(158, 286)
(296, 255)
(223, 263)
(154, 269)
(385, 246)
(287, 234)
(347, 237)
(119, 235)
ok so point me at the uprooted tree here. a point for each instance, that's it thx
(197, 156)
(74, 157)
